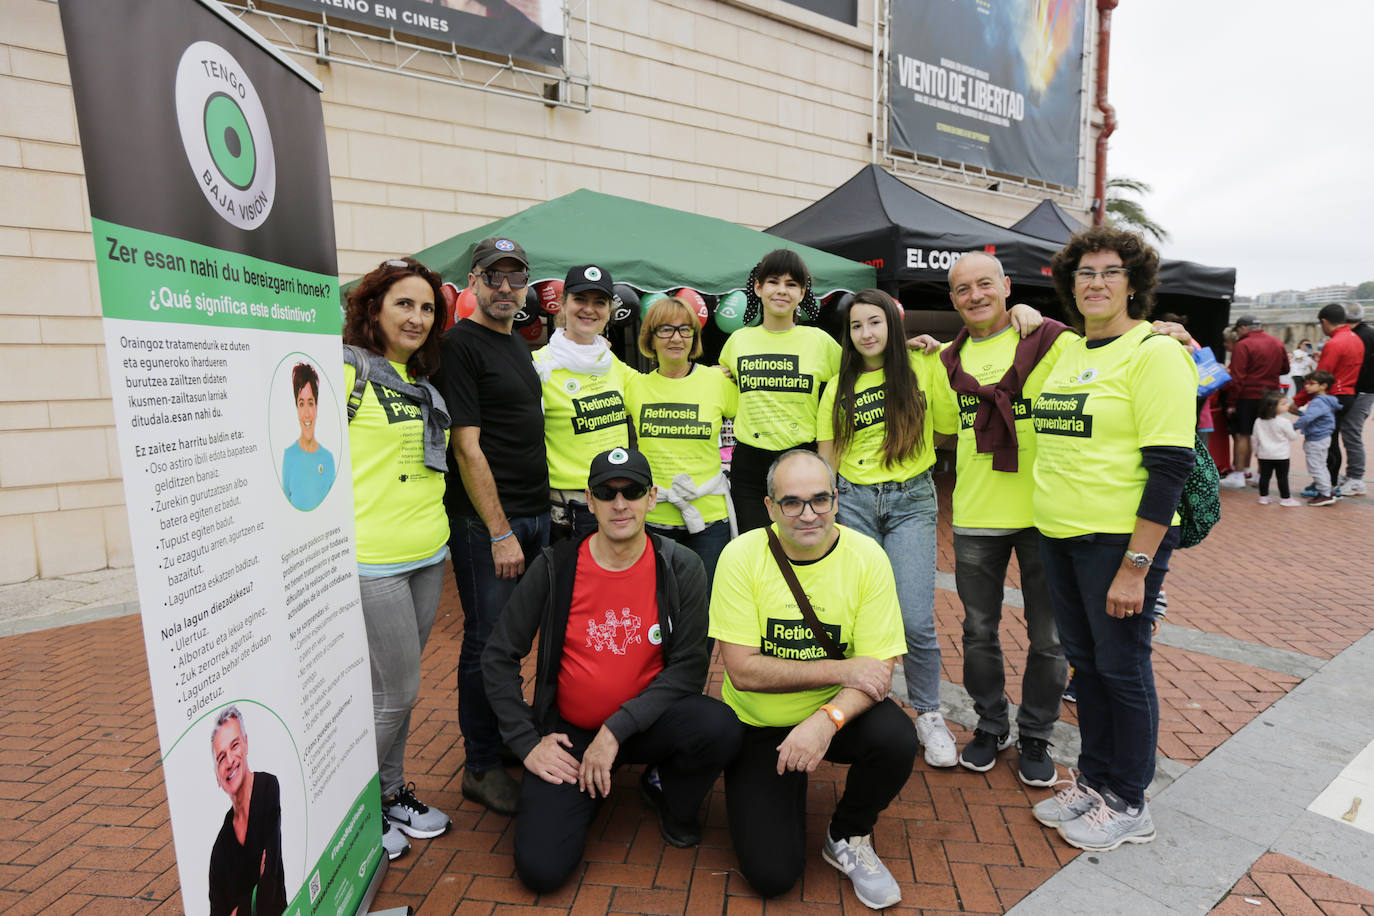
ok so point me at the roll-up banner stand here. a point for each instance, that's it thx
(214, 239)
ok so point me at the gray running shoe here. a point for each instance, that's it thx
(395, 844)
(412, 816)
(1072, 801)
(1106, 827)
(873, 883)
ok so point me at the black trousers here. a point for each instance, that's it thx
(690, 744)
(1333, 455)
(749, 483)
(1272, 467)
(767, 812)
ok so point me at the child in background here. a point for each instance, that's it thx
(1273, 432)
(1318, 423)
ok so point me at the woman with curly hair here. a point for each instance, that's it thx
(307, 467)
(397, 439)
(1114, 429)
(779, 367)
(874, 428)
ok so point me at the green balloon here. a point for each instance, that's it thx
(730, 309)
(647, 300)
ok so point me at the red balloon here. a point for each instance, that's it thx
(695, 300)
(451, 295)
(467, 302)
(550, 294)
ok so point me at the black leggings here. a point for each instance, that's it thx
(749, 482)
(1279, 469)
(767, 812)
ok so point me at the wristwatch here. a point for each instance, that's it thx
(836, 715)
(1138, 560)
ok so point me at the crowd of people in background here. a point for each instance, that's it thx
(1325, 398)
(586, 507)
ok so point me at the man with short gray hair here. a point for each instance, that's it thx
(246, 873)
(1352, 427)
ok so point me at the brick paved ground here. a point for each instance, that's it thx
(86, 819)
(1278, 884)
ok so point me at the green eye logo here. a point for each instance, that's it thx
(230, 141)
(225, 134)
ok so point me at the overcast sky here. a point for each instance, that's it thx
(1254, 122)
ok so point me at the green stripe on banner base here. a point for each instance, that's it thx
(340, 878)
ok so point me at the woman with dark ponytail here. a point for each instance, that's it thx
(779, 367)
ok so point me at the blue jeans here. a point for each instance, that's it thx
(1118, 709)
(398, 612)
(483, 596)
(900, 515)
(707, 544)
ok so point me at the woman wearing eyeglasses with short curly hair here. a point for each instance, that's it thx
(1114, 427)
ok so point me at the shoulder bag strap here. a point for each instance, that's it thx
(803, 603)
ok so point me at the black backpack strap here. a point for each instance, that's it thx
(357, 357)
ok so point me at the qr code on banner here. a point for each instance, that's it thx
(314, 888)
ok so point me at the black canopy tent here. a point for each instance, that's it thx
(911, 239)
(1200, 293)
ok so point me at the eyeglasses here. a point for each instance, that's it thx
(631, 491)
(820, 504)
(1084, 275)
(517, 278)
(667, 331)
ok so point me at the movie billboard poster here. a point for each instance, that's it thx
(527, 30)
(213, 227)
(991, 83)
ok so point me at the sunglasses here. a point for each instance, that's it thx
(631, 491)
(517, 278)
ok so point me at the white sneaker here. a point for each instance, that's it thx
(1233, 481)
(936, 739)
(1354, 488)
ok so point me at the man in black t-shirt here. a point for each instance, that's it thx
(498, 488)
(246, 874)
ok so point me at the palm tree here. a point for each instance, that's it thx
(1128, 213)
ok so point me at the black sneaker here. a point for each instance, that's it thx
(1320, 500)
(981, 753)
(675, 833)
(1036, 768)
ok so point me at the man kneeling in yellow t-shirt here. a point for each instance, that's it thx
(801, 702)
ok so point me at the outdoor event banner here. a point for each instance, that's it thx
(990, 83)
(213, 228)
(530, 30)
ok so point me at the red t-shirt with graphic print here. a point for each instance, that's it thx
(612, 648)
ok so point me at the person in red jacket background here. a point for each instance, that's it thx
(1343, 357)
(1257, 361)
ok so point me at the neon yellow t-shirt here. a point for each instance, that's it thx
(398, 502)
(852, 591)
(584, 415)
(862, 461)
(779, 376)
(677, 421)
(984, 498)
(1097, 409)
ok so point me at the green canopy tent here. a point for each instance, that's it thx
(652, 248)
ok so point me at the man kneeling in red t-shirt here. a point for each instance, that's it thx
(622, 663)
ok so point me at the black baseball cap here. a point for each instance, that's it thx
(493, 249)
(589, 276)
(1247, 321)
(620, 463)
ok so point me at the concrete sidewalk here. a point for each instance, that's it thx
(1266, 681)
